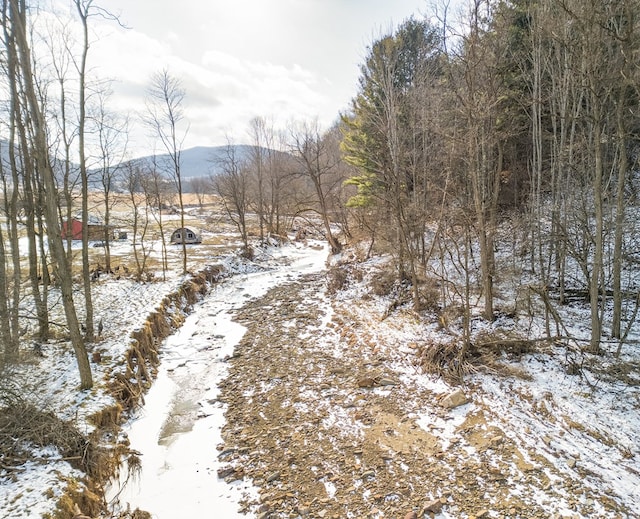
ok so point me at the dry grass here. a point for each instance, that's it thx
(337, 279)
(210, 217)
(23, 426)
(447, 360)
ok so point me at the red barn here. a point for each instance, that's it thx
(97, 230)
(75, 232)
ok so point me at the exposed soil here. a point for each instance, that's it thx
(323, 425)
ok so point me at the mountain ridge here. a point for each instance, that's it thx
(195, 162)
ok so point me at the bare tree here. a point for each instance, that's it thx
(139, 205)
(200, 187)
(319, 164)
(84, 8)
(18, 47)
(112, 142)
(231, 184)
(165, 112)
(479, 95)
(8, 337)
(259, 134)
(159, 191)
(11, 183)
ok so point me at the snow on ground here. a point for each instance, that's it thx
(579, 424)
(572, 415)
(179, 426)
(51, 380)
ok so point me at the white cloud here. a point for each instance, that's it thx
(283, 59)
(230, 91)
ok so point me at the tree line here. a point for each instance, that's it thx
(522, 112)
(62, 140)
(63, 143)
(505, 130)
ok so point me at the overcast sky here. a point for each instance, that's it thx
(237, 59)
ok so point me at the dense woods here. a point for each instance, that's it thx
(506, 143)
(493, 146)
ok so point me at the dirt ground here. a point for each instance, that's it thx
(325, 425)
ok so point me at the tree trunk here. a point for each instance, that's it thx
(597, 268)
(623, 167)
(29, 206)
(19, 45)
(83, 10)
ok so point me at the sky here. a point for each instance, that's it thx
(282, 60)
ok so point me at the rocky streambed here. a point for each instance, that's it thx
(329, 419)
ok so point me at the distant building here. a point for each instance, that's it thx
(96, 229)
(186, 235)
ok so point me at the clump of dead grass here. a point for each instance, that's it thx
(76, 498)
(489, 351)
(447, 360)
(337, 277)
(23, 426)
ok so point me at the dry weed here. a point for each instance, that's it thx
(446, 360)
(336, 279)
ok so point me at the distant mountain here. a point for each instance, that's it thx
(200, 161)
(197, 162)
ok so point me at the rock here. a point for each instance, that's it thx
(226, 452)
(386, 382)
(366, 382)
(411, 515)
(496, 440)
(368, 474)
(571, 463)
(434, 507)
(274, 476)
(238, 474)
(455, 399)
(224, 472)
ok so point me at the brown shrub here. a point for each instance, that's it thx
(447, 360)
(430, 294)
(383, 283)
(32, 426)
(337, 279)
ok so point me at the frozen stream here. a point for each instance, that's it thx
(179, 427)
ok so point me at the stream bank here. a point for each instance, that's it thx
(178, 428)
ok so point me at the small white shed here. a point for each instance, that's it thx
(186, 235)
